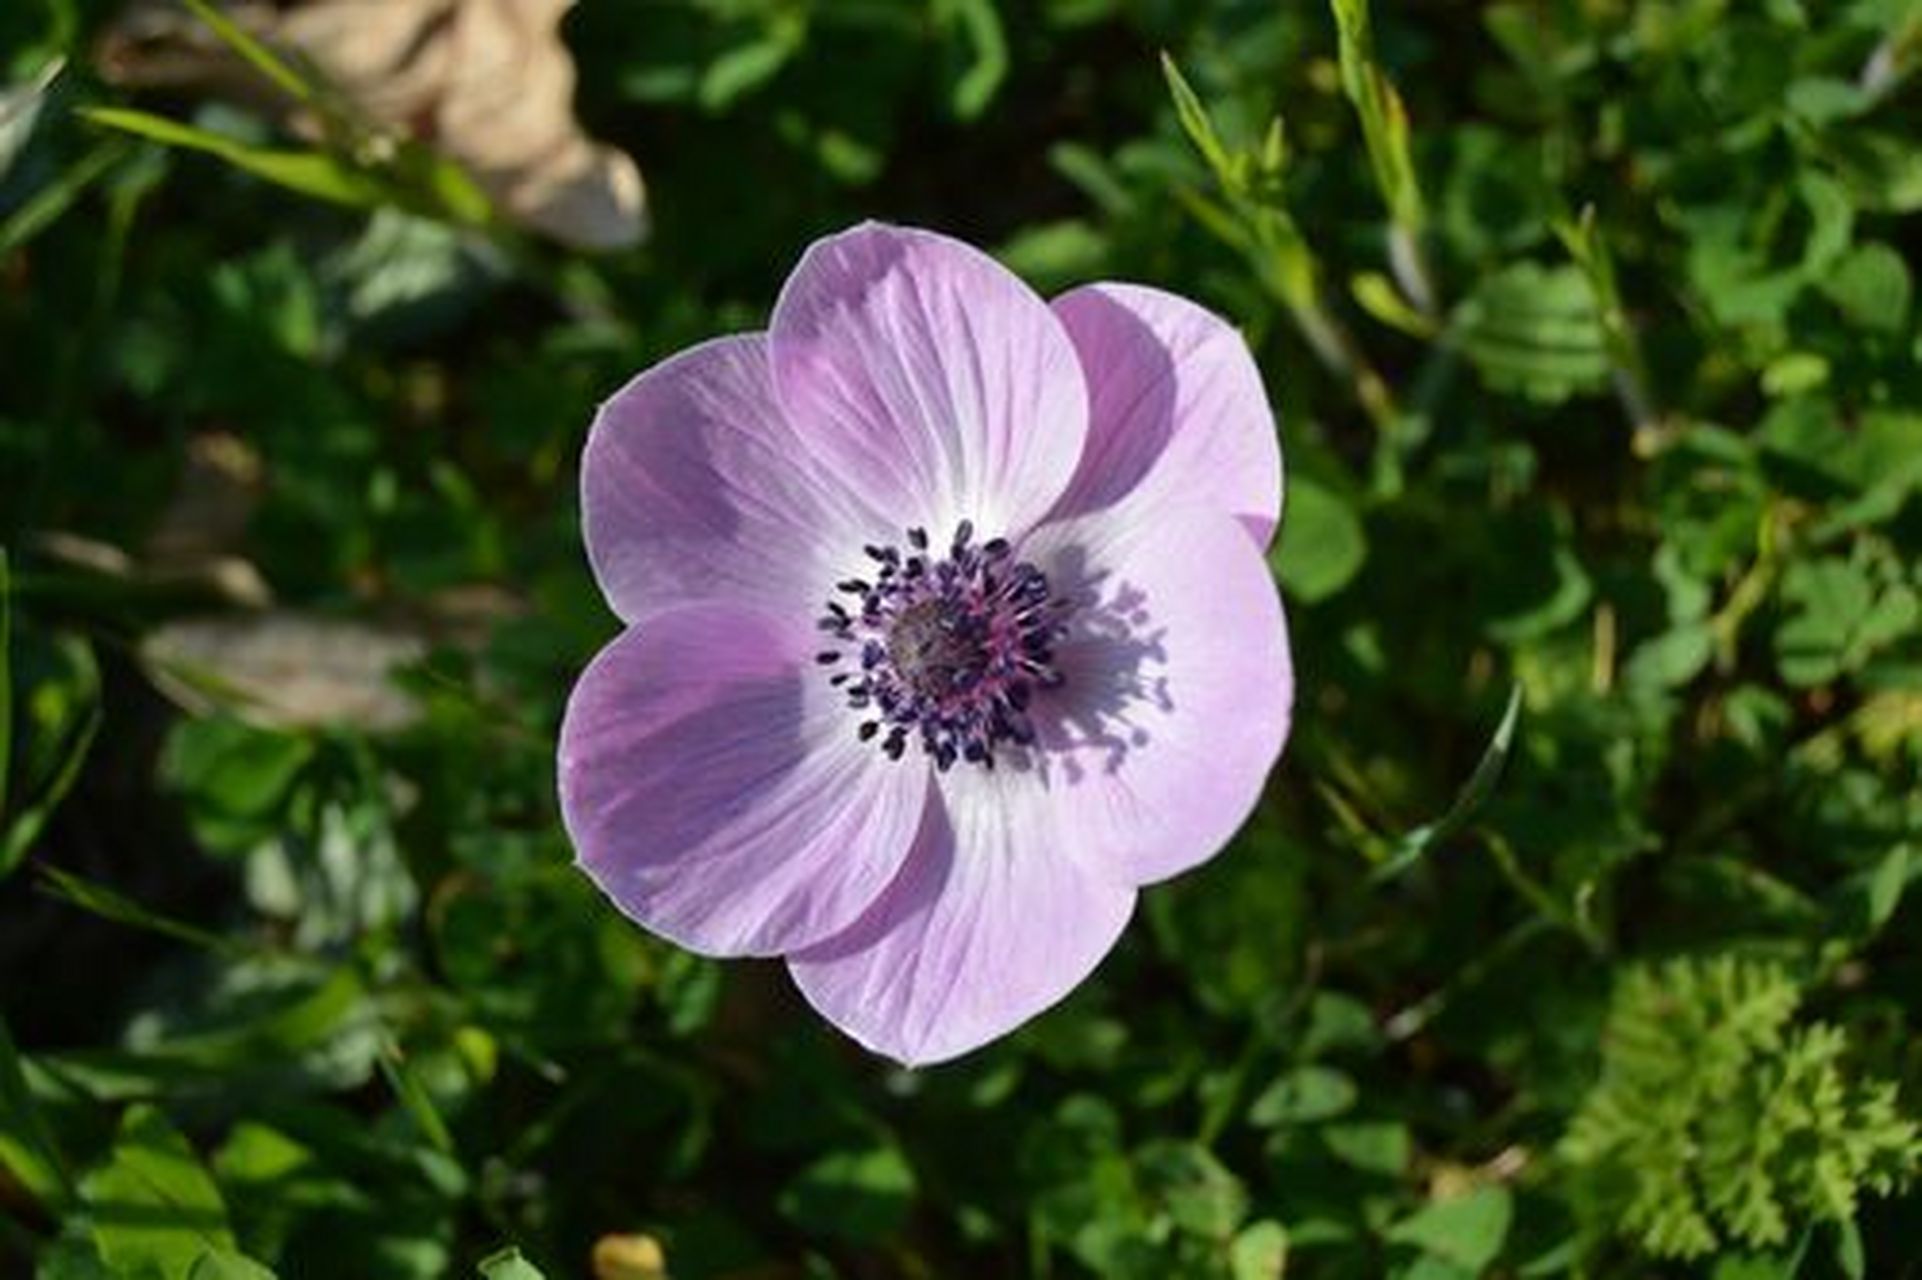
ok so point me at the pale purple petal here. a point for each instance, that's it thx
(987, 926)
(935, 382)
(693, 487)
(716, 792)
(1177, 694)
(1177, 410)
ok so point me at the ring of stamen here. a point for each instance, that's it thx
(944, 651)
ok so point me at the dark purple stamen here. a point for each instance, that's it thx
(951, 650)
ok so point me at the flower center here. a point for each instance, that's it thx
(946, 651)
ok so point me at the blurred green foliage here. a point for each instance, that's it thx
(1591, 325)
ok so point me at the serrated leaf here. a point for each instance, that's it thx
(1535, 331)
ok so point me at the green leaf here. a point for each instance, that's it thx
(981, 21)
(1705, 1070)
(1841, 619)
(1849, 1255)
(1056, 254)
(309, 173)
(232, 769)
(1871, 287)
(1536, 332)
(153, 1207)
(323, 1030)
(1192, 1188)
(1832, 219)
(1468, 1230)
(1887, 884)
(1824, 99)
(1260, 1252)
(743, 69)
(1673, 658)
(1338, 1022)
(224, 1264)
(1302, 1096)
(1377, 295)
(508, 1264)
(72, 1256)
(1195, 122)
(27, 1150)
(1794, 373)
(1322, 545)
(1384, 120)
(862, 1196)
(1373, 1146)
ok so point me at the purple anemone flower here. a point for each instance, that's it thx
(947, 628)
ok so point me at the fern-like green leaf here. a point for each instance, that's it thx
(1719, 1121)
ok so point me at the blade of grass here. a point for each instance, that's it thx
(310, 173)
(110, 904)
(49, 203)
(18, 837)
(1384, 128)
(258, 55)
(414, 1097)
(6, 675)
(1474, 794)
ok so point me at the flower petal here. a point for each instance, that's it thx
(1177, 411)
(717, 793)
(693, 487)
(986, 927)
(931, 378)
(1176, 695)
